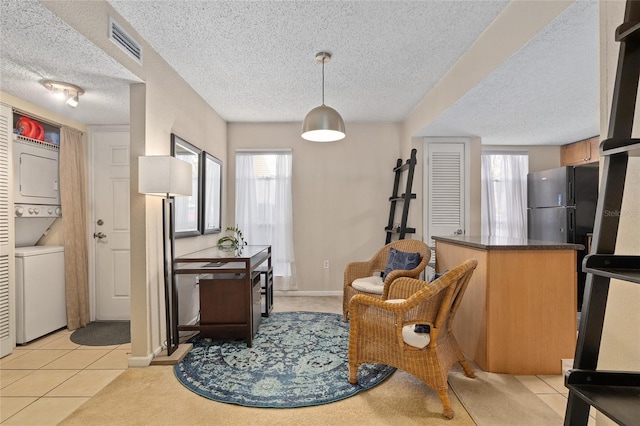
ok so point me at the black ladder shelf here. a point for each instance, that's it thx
(405, 198)
(614, 393)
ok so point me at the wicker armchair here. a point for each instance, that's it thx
(378, 263)
(377, 334)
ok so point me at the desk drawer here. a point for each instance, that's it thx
(223, 301)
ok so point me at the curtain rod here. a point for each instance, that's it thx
(262, 151)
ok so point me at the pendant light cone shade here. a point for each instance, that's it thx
(164, 175)
(323, 123)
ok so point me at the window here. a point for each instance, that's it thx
(264, 208)
(504, 194)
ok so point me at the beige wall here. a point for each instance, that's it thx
(520, 20)
(163, 104)
(340, 194)
(620, 347)
(341, 189)
(540, 157)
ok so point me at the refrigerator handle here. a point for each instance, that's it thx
(570, 199)
(571, 221)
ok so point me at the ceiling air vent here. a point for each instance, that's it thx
(127, 43)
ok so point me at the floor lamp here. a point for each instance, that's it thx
(169, 177)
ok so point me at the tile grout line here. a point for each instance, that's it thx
(32, 371)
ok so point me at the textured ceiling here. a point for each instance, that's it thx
(36, 45)
(547, 92)
(255, 61)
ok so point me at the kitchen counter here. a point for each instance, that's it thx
(506, 243)
(518, 315)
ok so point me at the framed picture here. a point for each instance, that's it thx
(187, 209)
(211, 194)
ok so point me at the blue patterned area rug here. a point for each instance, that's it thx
(298, 359)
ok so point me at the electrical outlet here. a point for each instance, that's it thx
(326, 264)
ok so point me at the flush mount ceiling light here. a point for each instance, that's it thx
(65, 91)
(323, 123)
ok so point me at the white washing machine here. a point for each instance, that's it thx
(41, 305)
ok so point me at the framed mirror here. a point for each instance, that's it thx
(187, 209)
(211, 194)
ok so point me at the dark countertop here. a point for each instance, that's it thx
(506, 243)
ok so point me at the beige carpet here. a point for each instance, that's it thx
(153, 396)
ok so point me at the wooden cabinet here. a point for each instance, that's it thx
(230, 291)
(224, 306)
(518, 315)
(582, 152)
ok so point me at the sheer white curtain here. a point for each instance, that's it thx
(264, 209)
(504, 194)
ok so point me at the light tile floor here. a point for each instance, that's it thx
(552, 391)
(43, 382)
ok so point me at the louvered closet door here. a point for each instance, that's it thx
(6, 241)
(445, 189)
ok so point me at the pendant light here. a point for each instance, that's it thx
(323, 123)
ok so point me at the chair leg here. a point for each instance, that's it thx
(467, 370)
(345, 309)
(353, 374)
(446, 403)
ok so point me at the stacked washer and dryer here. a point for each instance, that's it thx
(40, 276)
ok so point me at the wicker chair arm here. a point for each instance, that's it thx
(356, 270)
(426, 291)
(404, 288)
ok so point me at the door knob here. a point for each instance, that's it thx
(458, 232)
(99, 235)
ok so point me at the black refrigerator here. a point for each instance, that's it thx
(561, 207)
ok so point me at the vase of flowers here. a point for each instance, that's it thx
(233, 240)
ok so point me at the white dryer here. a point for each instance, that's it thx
(40, 291)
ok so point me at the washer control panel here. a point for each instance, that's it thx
(37, 210)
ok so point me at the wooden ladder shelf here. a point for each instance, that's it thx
(404, 198)
(614, 393)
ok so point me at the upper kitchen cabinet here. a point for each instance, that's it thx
(582, 152)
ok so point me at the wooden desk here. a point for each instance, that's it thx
(519, 313)
(229, 291)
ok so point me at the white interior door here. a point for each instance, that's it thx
(111, 223)
(445, 195)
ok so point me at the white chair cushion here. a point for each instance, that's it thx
(409, 336)
(373, 284)
(417, 340)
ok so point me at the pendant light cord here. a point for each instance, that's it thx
(323, 59)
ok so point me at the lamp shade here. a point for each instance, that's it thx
(164, 175)
(323, 124)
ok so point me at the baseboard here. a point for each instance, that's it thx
(297, 293)
(180, 352)
(140, 361)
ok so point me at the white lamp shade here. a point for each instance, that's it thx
(323, 124)
(164, 175)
